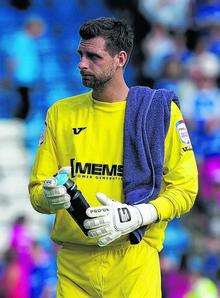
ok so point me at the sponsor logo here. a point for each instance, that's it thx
(98, 210)
(183, 133)
(189, 148)
(124, 214)
(77, 130)
(89, 169)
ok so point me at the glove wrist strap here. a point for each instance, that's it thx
(148, 213)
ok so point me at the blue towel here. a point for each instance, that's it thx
(147, 118)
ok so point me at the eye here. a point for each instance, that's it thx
(93, 56)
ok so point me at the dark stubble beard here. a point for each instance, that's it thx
(94, 82)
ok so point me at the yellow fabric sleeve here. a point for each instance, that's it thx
(180, 185)
(45, 166)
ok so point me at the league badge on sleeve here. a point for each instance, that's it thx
(184, 135)
(42, 137)
(41, 140)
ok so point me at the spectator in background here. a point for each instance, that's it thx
(156, 47)
(214, 39)
(172, 74)
(176, 282)
(206, 12)
(175, 246)
(211, 255)
(43, 274)
(15, 280)
(173, 14)
(33, 261)
(21, 243)
(201, 286)
(202, 107)
(24, 61)
(210, 180)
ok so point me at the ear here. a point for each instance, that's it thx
(122, 58)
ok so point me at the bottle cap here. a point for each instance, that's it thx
(61, 178)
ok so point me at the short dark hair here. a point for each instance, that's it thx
(118, 34)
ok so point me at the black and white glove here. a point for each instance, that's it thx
(114, 219)
(56, 195)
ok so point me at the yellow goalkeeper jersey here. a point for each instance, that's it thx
(87, 135)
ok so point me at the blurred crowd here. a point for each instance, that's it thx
(177, 46)
(28, 268)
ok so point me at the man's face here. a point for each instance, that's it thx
(35, 28)
(96, 65)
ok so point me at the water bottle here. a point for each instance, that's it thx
(78, 203)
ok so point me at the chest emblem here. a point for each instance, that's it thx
(77, 130)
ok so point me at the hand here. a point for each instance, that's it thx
(56, 195)
(115, 219)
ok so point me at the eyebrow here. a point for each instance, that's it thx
(89, 53)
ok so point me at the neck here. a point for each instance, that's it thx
(113, 91)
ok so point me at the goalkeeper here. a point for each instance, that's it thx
(86, 131)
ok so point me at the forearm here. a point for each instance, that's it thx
(39, 203)
(175, 201)
(180, 175)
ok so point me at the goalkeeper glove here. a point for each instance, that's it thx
(115, 219)
(56, 195)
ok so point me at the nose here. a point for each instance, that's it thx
(83, 64)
